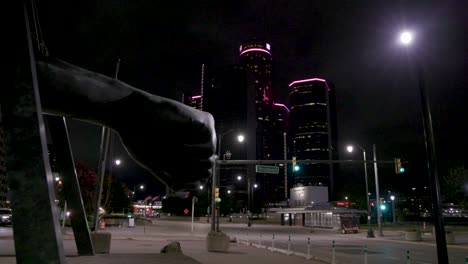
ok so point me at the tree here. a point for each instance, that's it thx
(455, 186)
(87, 180)
(119, 201)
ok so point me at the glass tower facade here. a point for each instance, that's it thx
(313, 130)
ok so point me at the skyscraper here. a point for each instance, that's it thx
(255, 57)
(313, 130)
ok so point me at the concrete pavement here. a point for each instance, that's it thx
(143, 243)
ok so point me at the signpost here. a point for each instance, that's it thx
(267, 169)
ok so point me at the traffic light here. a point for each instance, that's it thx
(398, 168)
(217, 194)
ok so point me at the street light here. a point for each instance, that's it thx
(239, 178)
(215, 182)
(406, 39)
(141, 187)
(392, 197)
(117, 162)
(201, 187)
(370, 232)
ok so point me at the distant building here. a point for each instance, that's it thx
(312, 125)
(195, 101)
(3, 176)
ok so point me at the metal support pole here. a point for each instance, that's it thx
(289, 244)
(193, 210)
(213, 202)
(442, 253)
(308, 248)
(370, 232)
(377, 194)
(102, 168)
(393, 212)
(408, 257)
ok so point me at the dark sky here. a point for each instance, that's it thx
(353, 44)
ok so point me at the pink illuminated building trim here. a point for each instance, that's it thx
(195, 97)
(277, 104)
(255, 49)
(310, 80)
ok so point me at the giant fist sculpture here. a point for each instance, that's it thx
(174, 141)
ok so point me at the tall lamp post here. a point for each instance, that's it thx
(215, 220)
(392, 197)
(406, 39)
(370, 231)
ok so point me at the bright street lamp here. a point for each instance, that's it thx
(117, 162)
(370, 232)
(406, 38)
(201, 187)
(229, 191)
(255, 185)
(240, 138)
(442, 254)
(392, 197)
(239, 178)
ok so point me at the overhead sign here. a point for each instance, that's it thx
(267, 169)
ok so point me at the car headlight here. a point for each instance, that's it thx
(5, 216)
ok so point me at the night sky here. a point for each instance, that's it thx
(353, 44)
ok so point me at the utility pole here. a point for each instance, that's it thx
(377, 194)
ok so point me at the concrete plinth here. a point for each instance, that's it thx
(101, 242)
(217, 242)
(413, 236)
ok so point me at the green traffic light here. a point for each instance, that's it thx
(382, 207)
(297, 168)
(402, 169)
(218, 200)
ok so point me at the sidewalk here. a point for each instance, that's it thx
(142, 244)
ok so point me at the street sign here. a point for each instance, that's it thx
(267, 169)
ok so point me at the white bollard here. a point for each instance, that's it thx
(273, 243)
(289, 245)
(333, 252)
(308, 248)
(365, 254)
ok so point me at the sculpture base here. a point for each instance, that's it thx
(217, 241)
(101, 242)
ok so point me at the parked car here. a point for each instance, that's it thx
(5, 216)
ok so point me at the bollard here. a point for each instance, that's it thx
(237, 238)
(408, 259)
(365, 254)
(260, 240)
(273, 243)
(333, 252)
(248, 243)
(308, 248)
(289, 245)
